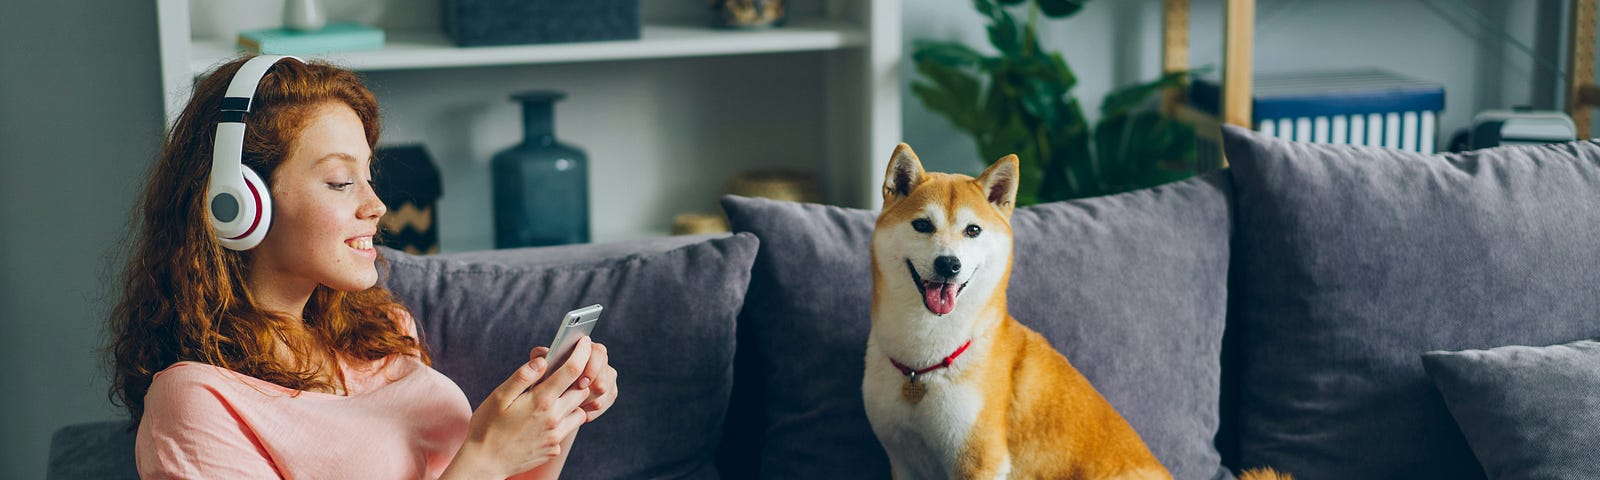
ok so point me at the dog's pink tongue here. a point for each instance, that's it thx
(939, 297)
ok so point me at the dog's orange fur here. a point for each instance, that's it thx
(1039, 413)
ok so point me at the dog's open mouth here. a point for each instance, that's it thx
(939, 297)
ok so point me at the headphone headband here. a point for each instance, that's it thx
(242, 90)
(237, 200)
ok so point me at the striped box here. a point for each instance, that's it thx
(1360, 107)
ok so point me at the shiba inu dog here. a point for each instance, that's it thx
(954, 386)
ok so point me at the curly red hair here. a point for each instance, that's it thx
(184, 296)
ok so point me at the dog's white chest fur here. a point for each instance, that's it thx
(924, 440)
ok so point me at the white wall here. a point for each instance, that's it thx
(1113, 43)
(79, 124)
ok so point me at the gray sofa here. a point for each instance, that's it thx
(1332, 311)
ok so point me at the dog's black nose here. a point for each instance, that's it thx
(947, 266)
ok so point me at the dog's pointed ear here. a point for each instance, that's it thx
(904, 174)
(999, 183)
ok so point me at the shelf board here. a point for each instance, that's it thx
(405, 50)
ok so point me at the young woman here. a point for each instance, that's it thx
(289, 360)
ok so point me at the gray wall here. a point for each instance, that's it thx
(79, 124)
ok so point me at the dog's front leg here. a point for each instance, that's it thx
(986, 458)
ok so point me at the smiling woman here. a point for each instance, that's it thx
(327, 213)
(287, 357)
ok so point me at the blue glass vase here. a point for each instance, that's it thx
(541, 187)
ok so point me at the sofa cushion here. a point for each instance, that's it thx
(1528, 412)
(668, 325)
(1351, 261)
(1131, 288)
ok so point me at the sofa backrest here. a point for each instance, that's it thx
(1350, 262)
(668, 325)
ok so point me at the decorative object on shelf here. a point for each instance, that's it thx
(1020, 101)
(696, 223)
(1521, 127)
(408, 182)
(303, 15)
(1352, 106)
(541, 186)
(473, 23)
(335, 37)
(776, 184)
(748, 13)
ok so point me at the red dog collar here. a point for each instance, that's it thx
(907, 371)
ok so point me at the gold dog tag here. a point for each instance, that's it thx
(913, 390)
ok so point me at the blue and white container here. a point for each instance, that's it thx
(1357, 107)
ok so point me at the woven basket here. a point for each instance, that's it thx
(697, 223)
(777, 184)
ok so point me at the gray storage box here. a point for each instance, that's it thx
(473, 23)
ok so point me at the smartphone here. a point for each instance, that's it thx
(575, 325)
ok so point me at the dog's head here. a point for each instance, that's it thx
(944, 240)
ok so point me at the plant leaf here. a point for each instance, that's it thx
(952, 92)
(946, 53)
(1060, 8)
(1063, 73)
(1125, 99)
(1003, 33)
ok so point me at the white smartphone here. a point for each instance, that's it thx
(575, 325)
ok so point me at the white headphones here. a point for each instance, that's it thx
(237, 200)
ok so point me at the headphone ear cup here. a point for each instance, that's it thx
(265, 207)
(259, 201)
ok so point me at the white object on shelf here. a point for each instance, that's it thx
(1521, 127)
(303, 15)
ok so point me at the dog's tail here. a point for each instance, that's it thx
(1264, 473)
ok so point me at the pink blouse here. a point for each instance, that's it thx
(400, 419)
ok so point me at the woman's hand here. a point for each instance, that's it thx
(601, 379)
(524, 421)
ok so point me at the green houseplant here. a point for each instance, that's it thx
(1020, 101)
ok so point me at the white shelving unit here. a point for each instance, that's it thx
(666, 119)
(419, 49)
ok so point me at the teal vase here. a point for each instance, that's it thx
(541, 186)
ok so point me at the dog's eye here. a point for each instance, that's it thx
(973, 231)
(922, 225)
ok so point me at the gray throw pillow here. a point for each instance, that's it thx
(1350, 260)
(1528, 412)
(1131, 288)
(670, 306)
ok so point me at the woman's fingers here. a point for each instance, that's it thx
(570, 423)
(598, 362)
(538, 352)
(565, 374)
(601, 395)
(570, 400)
(518, 382)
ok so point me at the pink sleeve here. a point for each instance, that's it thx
(189, 431)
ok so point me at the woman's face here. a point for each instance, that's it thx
(324, 209)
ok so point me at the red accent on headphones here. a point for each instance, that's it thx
(256, 221)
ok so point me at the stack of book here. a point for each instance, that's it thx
(335, 37)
